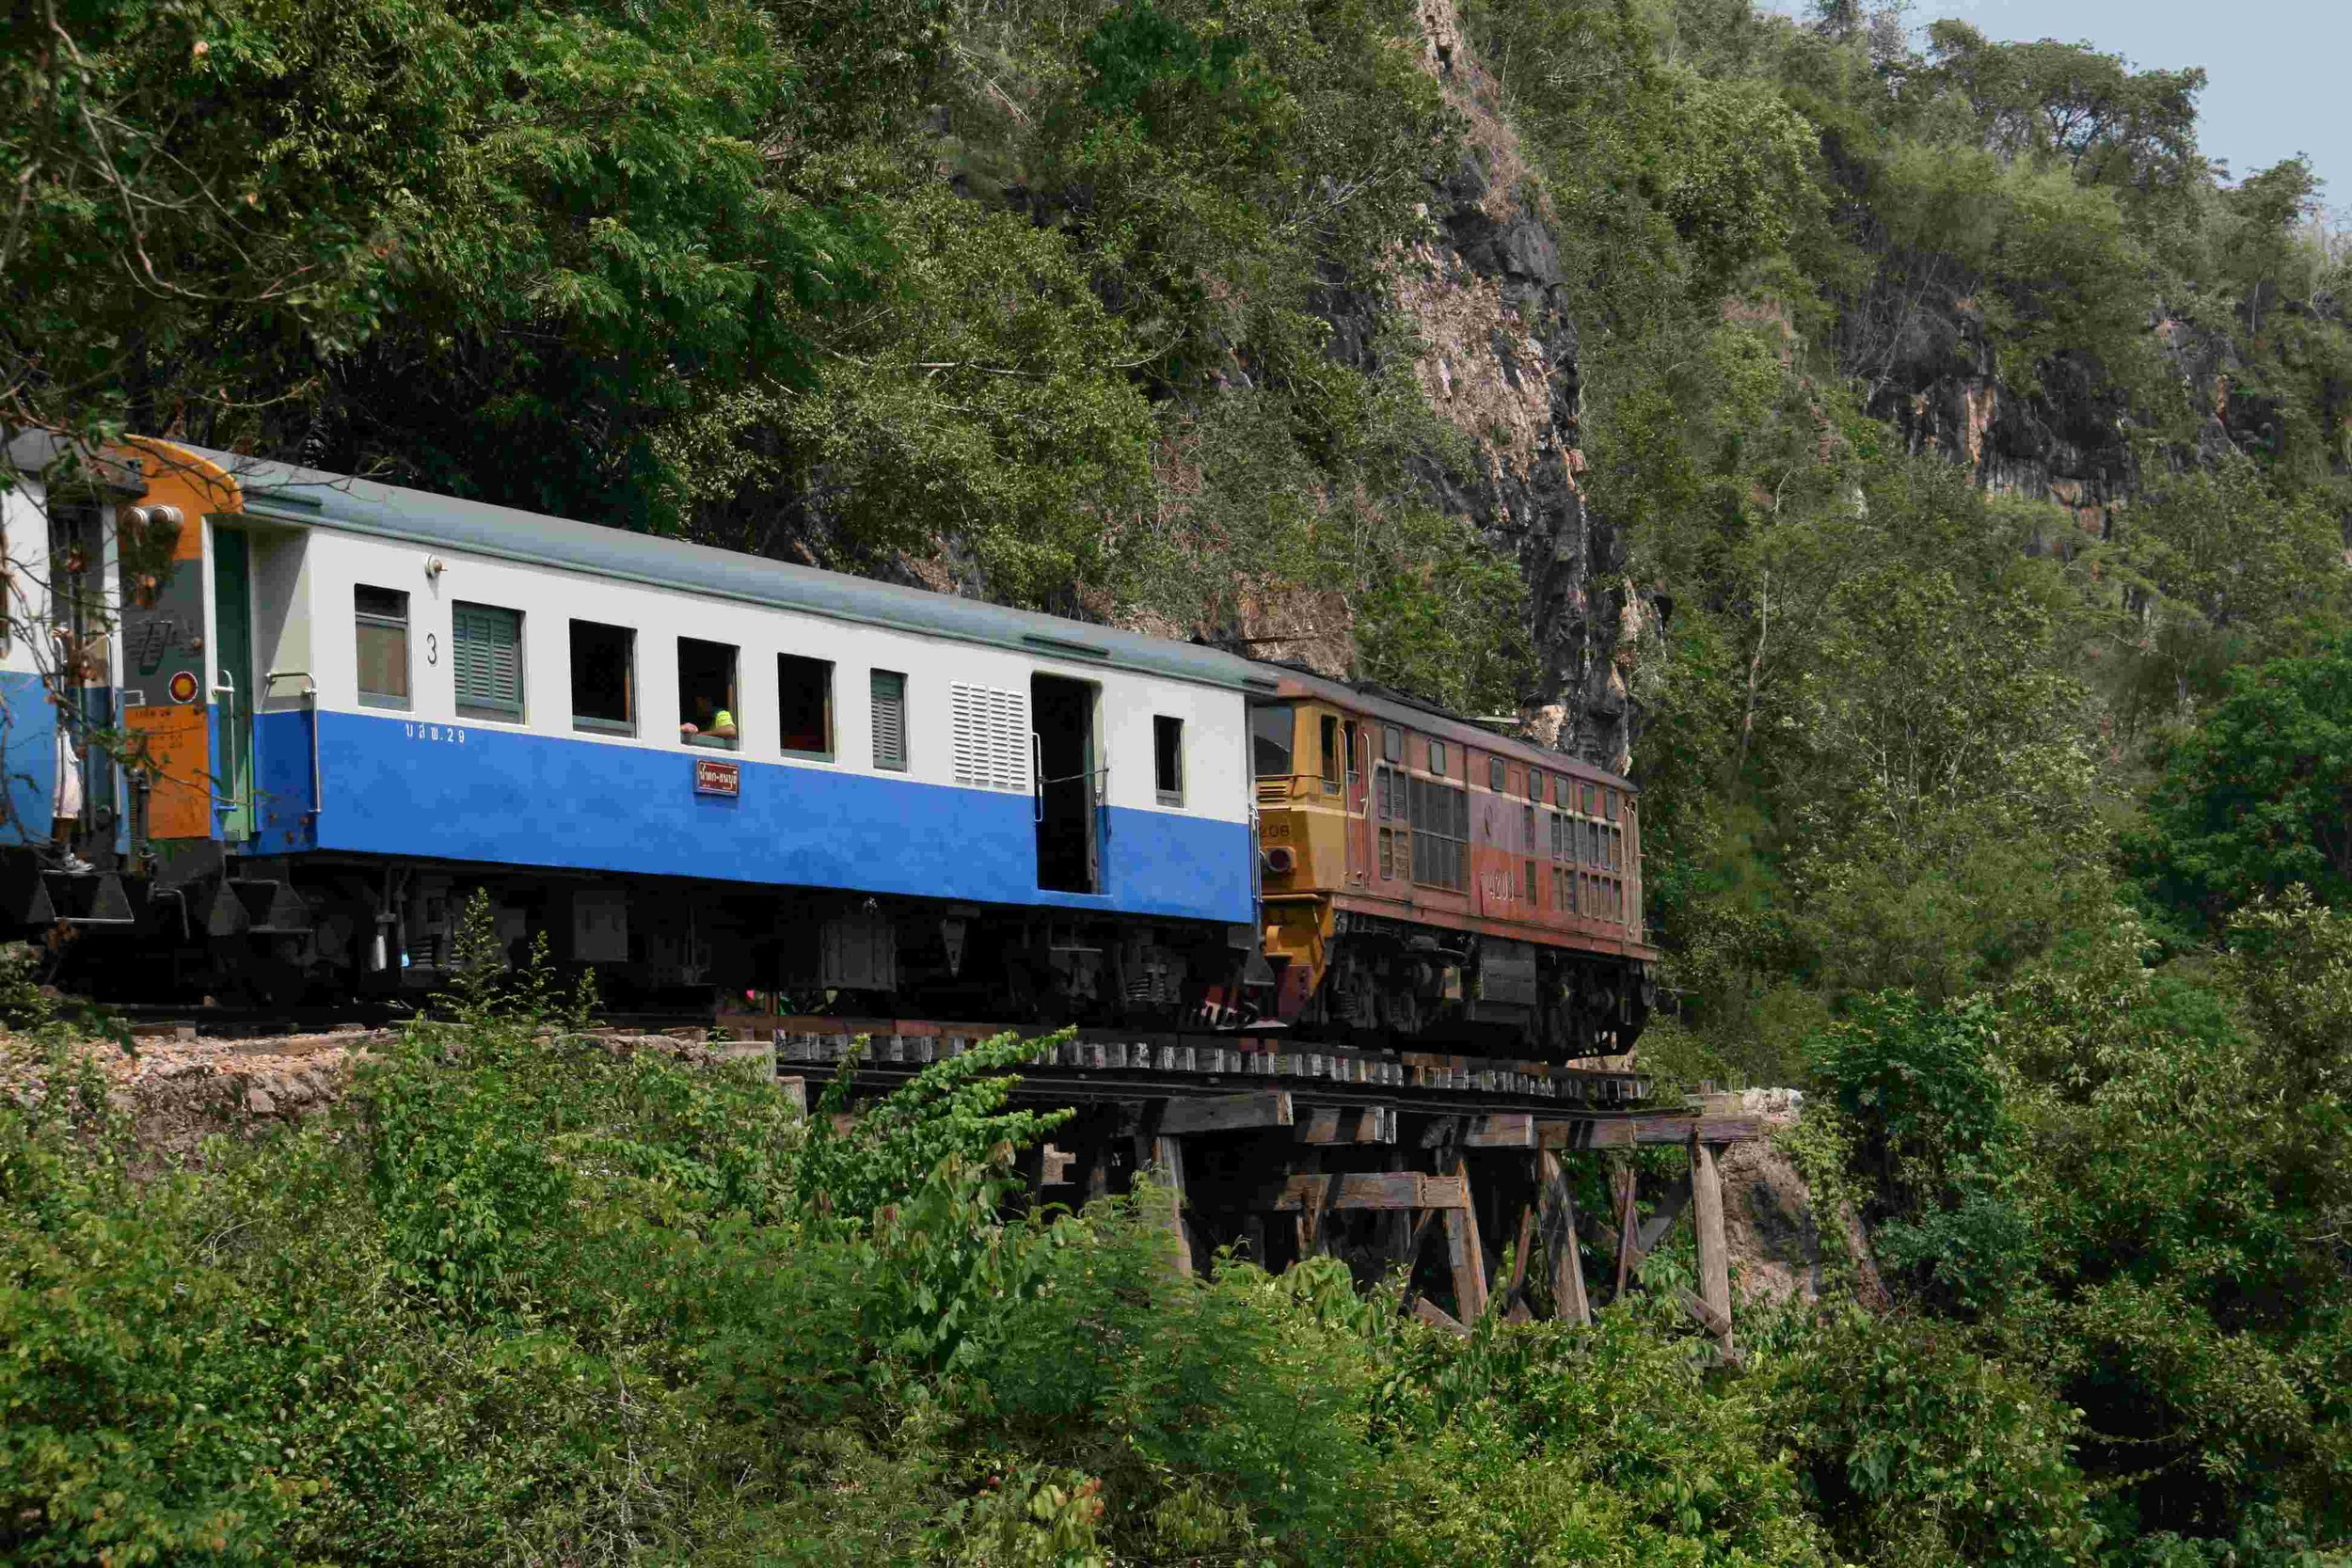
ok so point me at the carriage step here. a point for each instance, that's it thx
(88, 898)
(257, 907)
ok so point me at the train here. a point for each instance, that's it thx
(267, 730)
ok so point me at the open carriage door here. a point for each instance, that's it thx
(1069, 847)
(232, 678)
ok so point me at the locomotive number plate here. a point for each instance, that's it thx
(718, 778)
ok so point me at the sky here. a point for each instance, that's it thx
(2276, 71)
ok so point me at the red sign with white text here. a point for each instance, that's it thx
(712, 777)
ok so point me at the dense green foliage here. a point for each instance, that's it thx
(949, 290)
(530, 1300)
(2258, 798)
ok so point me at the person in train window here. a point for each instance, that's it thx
(710, 723)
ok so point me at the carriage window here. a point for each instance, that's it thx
(1168, 759)
(1436, 758)
(1270, 741)
(706, 694)
(604, 679)
(804, 706)
(1534, 785)
(1560, 796)
(1330, 738)
(381, 617)
(1608, 804)
(486, 646)
(890, 721)
(1391, 743)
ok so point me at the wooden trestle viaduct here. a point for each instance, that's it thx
(1283, 1149)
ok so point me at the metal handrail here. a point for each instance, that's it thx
(310, 696)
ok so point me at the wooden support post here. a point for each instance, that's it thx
(1164, 1157)
(1628, 1229)
(1706, 1213)
(1559, 1232)
(1311, 1209)
(1396, 1232)
(1463, 1252)
(1513, 1303)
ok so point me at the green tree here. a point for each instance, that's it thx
(2258, 797)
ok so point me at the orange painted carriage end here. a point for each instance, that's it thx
(172, 737)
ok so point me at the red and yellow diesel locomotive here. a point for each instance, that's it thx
(1423, 879)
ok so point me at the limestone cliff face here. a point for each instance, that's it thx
(2069, 442)
(1497, 359)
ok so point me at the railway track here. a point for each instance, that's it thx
(1095, 1064)
(1099, 1065)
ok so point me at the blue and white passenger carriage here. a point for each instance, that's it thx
(343, 704)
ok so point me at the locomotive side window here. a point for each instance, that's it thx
(1168, 759)
(1496, 774)
(381, 629)
(486, 660)
(706, 694)
(1391, 743)
(1436, 758)
(1328, 732)
(805, 704)
(604, 679)
(1350, 744)
(1270, 741)
(1536, 786)
(890, 721)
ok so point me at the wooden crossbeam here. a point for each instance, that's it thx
(1509, 1130)
(1345, 1124)
(1437, 1317)
(1226, 1113)
(1664, 1127)
(1705, 1316)
(1376, 1188)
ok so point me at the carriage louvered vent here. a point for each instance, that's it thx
(991, 737)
